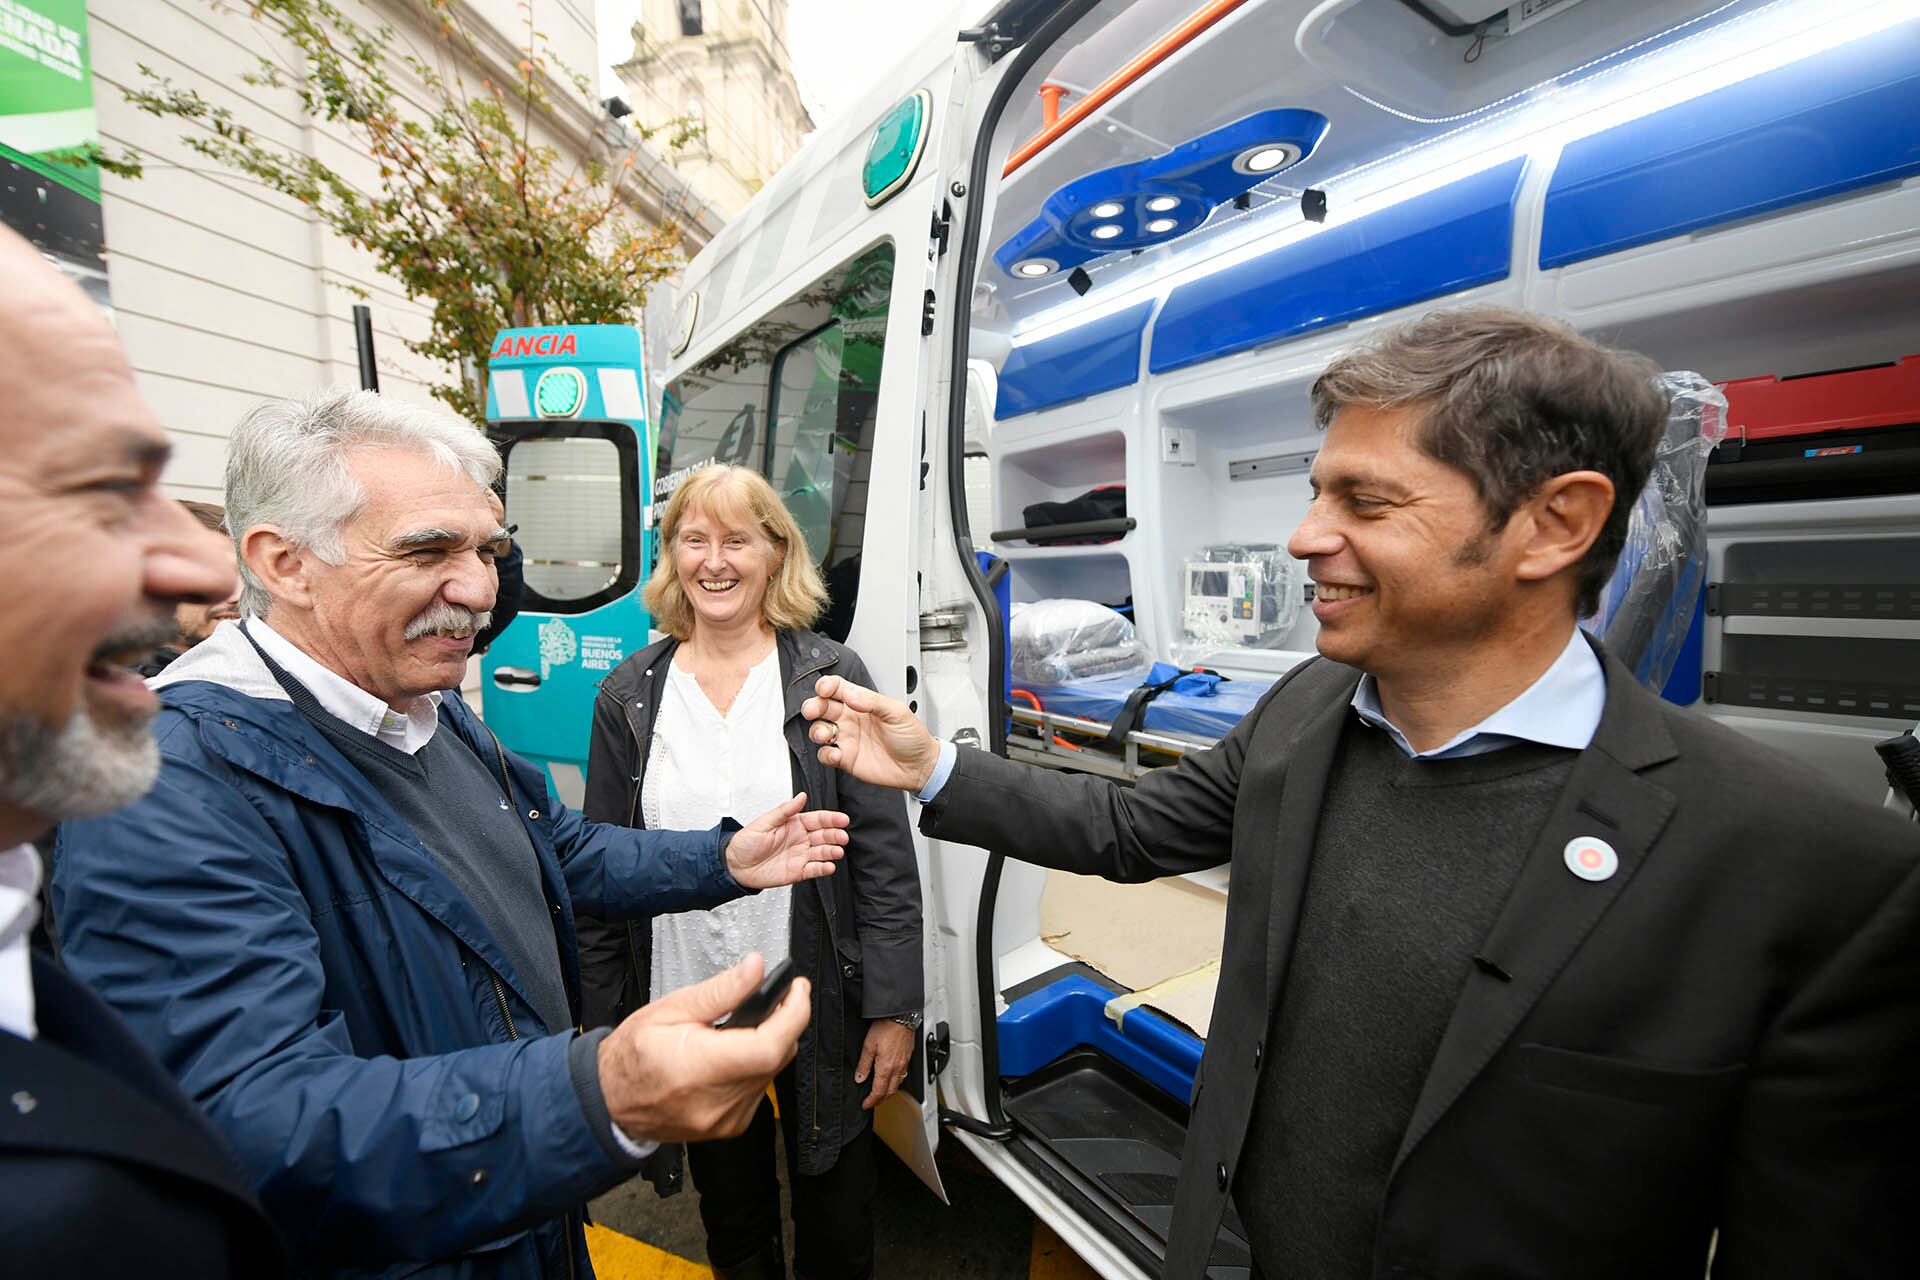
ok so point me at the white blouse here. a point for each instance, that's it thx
(702, 767)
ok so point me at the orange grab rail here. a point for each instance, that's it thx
(1154, 54)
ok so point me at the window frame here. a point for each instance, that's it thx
(769, 384)
(510, 434)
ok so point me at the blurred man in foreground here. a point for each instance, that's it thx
(105, 1167)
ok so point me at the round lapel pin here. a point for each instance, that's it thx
(1591, 858)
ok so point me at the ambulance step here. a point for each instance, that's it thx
(1122, 1136)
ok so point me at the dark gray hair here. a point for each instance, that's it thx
(1512, 399)
(287, 467)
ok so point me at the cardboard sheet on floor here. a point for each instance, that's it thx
(1152, 935)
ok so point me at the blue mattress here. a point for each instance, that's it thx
(1199, 706)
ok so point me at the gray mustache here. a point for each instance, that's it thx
(450, 619)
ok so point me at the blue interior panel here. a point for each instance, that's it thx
(1821, 127)
(1084, 361)
(1041, 1027)
(1447, 240)
(1683, 684)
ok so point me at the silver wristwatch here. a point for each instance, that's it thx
(911, 1021)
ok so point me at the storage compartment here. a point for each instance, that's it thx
(1247, 485)
(1817, 563)
(1044, 573)
(1054, 472)
(1824, 625)
(1842, 674)
(1850, 433)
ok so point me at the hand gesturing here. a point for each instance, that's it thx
(786, 844)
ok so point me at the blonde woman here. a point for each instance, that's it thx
(697, 728)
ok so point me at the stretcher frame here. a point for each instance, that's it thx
(1044, 745)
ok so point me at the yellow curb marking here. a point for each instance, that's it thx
(621, 1257)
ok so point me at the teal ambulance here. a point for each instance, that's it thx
(567, 406)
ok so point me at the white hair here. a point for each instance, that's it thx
(287, 467)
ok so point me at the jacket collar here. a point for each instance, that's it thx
(224, 658)
(805, 656)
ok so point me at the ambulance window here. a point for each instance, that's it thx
(574, 516)
(794, 397)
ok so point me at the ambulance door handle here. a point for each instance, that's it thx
(515, 678)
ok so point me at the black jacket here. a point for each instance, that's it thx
(106, 1169)
(1724, 1035)
(856, 933)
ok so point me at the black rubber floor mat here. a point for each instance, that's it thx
(1122, 1135)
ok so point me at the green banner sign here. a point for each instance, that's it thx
(46, 120)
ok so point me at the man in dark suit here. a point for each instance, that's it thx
(1526, 973)
(105, 1167)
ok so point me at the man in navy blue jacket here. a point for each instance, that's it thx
(349, 927)
(106, 1168)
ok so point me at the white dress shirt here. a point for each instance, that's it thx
(1560, 709)
(701, 767)
(19, 909)
(405, 729)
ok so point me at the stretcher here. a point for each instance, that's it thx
(1122, 726)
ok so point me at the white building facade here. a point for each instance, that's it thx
(227, 294)
(725, 66)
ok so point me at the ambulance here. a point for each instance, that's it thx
(1036, 321)
(566, 408)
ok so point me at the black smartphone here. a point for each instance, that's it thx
(752, 1011)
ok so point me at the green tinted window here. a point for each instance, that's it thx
(794, 397)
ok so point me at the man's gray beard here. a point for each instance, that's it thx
(80, 771)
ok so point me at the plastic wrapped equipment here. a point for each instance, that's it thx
(1055, 642)
(1649, 602)
(1238, 596)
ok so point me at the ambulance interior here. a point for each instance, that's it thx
(1202, 204)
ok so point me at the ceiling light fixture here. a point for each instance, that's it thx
(1160, 226)
(1105, 231)
(1034, 267)
(1163, 204)
(1266, 158)
(1111, 209)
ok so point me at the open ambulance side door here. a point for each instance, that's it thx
(810, 342)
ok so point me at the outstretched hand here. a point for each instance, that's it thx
(786, 844)
(669, 1076)
(872, 737)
